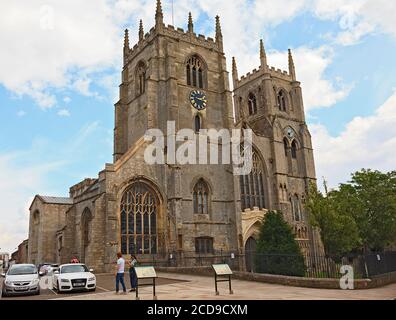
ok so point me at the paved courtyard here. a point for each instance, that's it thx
(202, 288)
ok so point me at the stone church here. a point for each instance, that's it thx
(155, 210)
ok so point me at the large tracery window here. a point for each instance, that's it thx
(200, 197)
(252, 104)
(252, 185)
(195, 72)
(139, 209)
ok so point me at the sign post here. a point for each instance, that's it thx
(224, 272)
(143, 273)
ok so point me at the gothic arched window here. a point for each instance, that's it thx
(140, 78)
(282, 100)
(139, 208)
(252, 185)
(252, 104)
(294, 150)
(201, 197)
(195, 72)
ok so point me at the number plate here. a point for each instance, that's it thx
(79, 285)
(21, 288)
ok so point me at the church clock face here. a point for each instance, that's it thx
(198, 100)
(290, 133)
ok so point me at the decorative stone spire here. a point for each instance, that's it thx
(219, 34)
(263, 56)
(292, 69)
(141, 31)
(235, 77)
(190, 23)
(126, 41)
(159, 16)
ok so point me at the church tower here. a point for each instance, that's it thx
(160, 72)
(269, 101)
(176, 75)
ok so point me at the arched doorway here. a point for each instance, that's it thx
(250, 254)
(139, 217)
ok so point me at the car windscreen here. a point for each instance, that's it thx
(74, 268)
(21, 270)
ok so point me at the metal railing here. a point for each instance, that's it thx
(309, 266)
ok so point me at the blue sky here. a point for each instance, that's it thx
(60, 70)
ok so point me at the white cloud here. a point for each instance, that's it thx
(64, 113)
(311, 65)
(44, 45)
(357, 18)
(18, 185)
(366, 142)
(50, 44)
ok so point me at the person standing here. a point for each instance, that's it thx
(120, 270)
(132, 272)
(74, 260)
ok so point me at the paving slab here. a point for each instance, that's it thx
(202, 288)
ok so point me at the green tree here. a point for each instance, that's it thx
(370, 197)
(359, 216)
(277, 250)
(338, 229)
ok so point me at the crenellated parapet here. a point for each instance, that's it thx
(178, 34)
(257, 73)
(265, 69)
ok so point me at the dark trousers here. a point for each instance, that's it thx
(133, 278)
(120, 278)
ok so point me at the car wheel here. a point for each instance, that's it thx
(58, 290)
(93, 290)
(38, 292)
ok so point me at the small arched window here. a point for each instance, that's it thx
(197, 123)
(195, 72)
(252, 104)
(201, 197)
(140, 78)
(294, 150)
(282, 100)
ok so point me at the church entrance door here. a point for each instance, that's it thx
(250, 254)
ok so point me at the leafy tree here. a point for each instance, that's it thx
(370, 197)
(277, 250)
(359, 216)
(338, 229)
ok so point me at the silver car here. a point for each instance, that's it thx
(21, 279)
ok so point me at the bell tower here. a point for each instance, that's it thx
(166, 76)
(269, 101)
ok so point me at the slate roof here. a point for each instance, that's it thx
(56, 200)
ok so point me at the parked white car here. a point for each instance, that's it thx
(75, 276)
(21, 279)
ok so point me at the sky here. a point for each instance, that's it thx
(60, 64)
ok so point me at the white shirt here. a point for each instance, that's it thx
(120, 265)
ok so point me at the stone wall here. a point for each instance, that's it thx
(360, 284)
